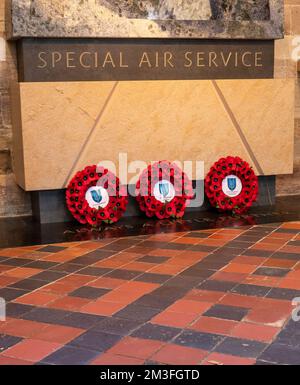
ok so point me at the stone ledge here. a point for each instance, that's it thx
(74, 18)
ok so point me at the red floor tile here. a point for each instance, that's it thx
(269, 314)
(213, 325)
(136, 347)
(6, 281)
(245, 301)
(189, 307)
(100, 307)
(261, 280)
(173, 319)
(22, 272)
(106, 283)
(22, 328)
(255, 332)
(284, 263)
(288, 283)
(165, 268)
(37, 298)
(204, 295)
(239, 268)
(179, 355)
(59, 334)
(114, 359)
(224, 359)
(229, 277)
(32, 350)
(256, 261)
(69, 303)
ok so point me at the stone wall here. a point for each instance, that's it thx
(13, 201)
(290, 184)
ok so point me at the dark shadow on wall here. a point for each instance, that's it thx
(240, 9)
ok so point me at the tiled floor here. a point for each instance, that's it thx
(218, 296)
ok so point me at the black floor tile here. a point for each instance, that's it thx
(97, 341)
(197, 271)
(205, 341)
(52, 249)
(7, 341)
(283, 255)
(164, 245)
(67, 267)
(156, 332)
(281, 354)
(9, 294)
(80, 320)
(294, 243)
(137, 313)
(89, 292)
(207, 263)
(44, 265)
(271, 271)
(284, 230)
(114, 325)
(258, 253)
(264, 363)
(49, 276)
(155, 301)
(94, 271)
(204, 248)
(153, 278)
(252, 290)
(121, 244)
(197, 234)
(187, 282)
(46, 315)
(290, 335)
(99, 254)
(281, 293)
(215, 285)
(241, 347)
(152, 259)
(239, 244)
(233, 313)
(15, 310)
(92, 257)
(16, 262)
(169, 291)
(29, 284)
(123, 274)
(70, 356)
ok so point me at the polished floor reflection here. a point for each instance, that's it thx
(212, 296)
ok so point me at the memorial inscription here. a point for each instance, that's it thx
(134, 59)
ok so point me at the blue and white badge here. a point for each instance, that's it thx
(97, 197)
(232, 186)
(164, 191)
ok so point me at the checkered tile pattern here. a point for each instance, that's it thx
(221, 296)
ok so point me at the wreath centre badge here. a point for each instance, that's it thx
(164, 191)
(97, 197)
(232, 186)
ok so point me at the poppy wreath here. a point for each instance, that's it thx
(95, 196)
(231, 185)
(163, 191)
